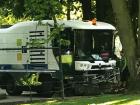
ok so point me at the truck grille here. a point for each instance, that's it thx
(100, 66)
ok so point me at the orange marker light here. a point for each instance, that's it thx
(94, 21)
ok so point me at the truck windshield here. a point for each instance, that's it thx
(91, 43)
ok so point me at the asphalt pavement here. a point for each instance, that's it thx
(26, 97)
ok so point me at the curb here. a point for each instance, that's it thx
(3, 96)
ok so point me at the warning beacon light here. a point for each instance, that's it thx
(93, 21)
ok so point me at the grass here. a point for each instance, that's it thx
(116, 99)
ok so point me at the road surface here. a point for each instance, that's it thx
(26, 97)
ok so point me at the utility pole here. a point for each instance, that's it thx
(61, 71)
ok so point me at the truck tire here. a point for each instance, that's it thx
(12, 89)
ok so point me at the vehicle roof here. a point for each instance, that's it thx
(78, 24)
(74, 24)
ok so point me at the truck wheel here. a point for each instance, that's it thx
(12, 89)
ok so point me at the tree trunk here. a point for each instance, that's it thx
(86, 8)
(18, 8)
(138, 51)
(126, 34)
(133, 8)
(104, 11)
(68, 9)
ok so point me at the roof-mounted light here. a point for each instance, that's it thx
(93, 21)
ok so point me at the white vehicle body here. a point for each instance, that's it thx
(18, 35)
(83, 64)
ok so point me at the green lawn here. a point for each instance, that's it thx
(117, 99)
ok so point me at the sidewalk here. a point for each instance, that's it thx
(24, 98)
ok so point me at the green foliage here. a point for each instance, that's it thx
(36, 43)
(10, 19)
(72, 8)
(15, 6)
(65, 42)
(42, 9)
(117, 99)
(55, 33)
(30, 79)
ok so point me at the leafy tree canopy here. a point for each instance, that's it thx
(42, 9)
